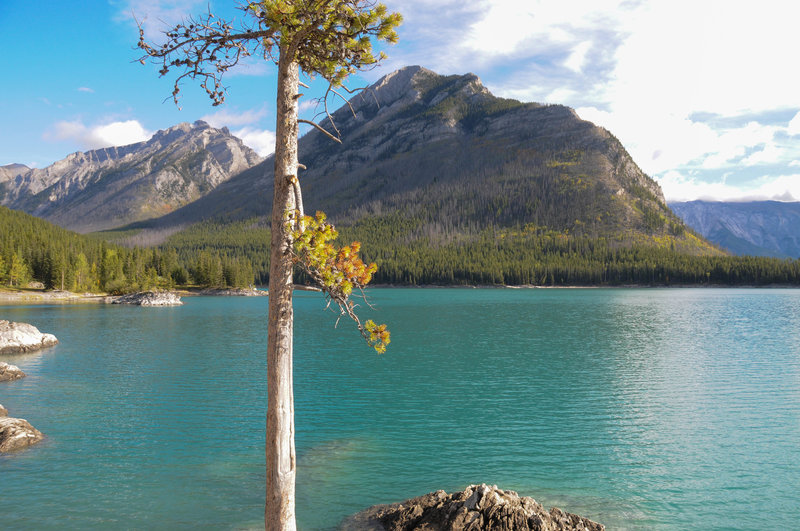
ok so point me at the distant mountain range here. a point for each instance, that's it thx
(443, 183)
(431, 159)
(760, 228)
(109, 187)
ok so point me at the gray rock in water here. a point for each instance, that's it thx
(477, 508)
(16, 434)
(149, 298)
(10, 372)
(22, 337)
(3, 411)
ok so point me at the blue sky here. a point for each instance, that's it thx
(705, 95)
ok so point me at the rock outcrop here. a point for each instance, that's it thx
(477, 508)
(149, 298)
(16, 434)
(22, 337)
(10, 372)
(3, 411)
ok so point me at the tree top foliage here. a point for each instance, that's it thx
(330, 38)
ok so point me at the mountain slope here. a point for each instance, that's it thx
(760, 228)
(109, 187)
(11, 171)
(452, 160)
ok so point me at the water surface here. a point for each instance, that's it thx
(642, 409)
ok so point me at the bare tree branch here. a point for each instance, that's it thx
(320, 128)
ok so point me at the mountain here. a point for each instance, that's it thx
(109, 187)
(759, 228)
(451, 160)
(11, 171)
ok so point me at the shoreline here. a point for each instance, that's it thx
(37, 295)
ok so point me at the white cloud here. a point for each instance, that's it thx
(85, 89)
(680, 187)
(577, 58)
(98, 136)
(225, 118)
(794, 125)
(769, 155)
(644, 70)
(260, 140)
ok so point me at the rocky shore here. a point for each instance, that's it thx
(16, 434)
(22, 337)
(10, 372)
(148, 298)
(477, 508)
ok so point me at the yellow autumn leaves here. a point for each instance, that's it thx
(337, 271)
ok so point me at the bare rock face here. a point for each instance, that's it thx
(114, 186)
(149, 298)
(22, 337)
(477, 508)
(16, 434)
(10, 372)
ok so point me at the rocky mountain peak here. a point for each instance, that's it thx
(413, 83)
(108, 187)
(11, 171)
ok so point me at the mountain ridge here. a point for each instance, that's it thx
(761, 228)
(108, 187)
(443, 148)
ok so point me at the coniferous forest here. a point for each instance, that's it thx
(212, 254)
(32, 249)
(528, 255)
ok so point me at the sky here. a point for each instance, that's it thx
(704, 94)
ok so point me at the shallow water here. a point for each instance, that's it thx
(641, 409)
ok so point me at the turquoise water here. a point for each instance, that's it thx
(642, 409)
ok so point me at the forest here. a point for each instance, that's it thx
(33, 250)
(407, 250)
(495, 256)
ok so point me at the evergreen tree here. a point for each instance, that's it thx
(18, 272)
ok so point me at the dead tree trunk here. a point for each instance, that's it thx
(281, 467)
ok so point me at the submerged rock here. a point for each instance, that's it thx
(149, 298)
(16, 434)
(22, 337)
(10, 372)
(477, 508)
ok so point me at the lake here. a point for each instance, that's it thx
(665, 409)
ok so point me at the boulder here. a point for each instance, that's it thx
(10, 372)
(477, 508)
(22, 337)
(16, 434)
(149, 298)
(3, 411)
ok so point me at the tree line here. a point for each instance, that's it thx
(33, 250)
(411, 252)
(407, 250)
